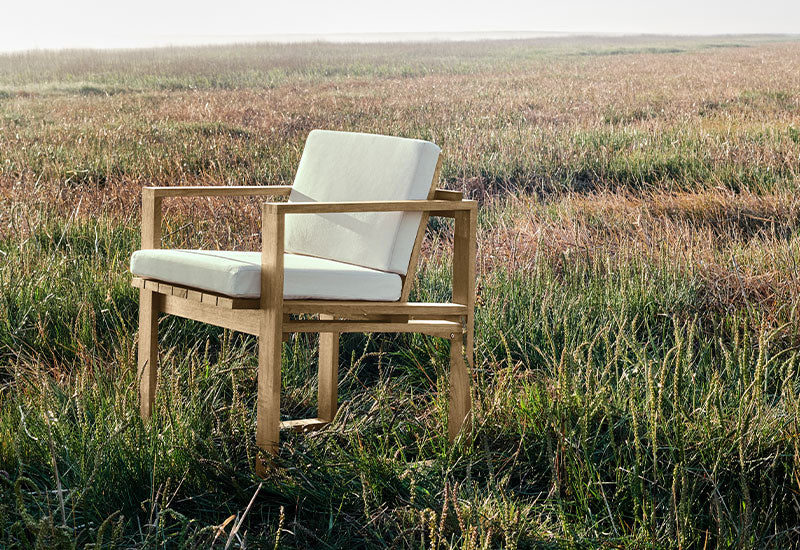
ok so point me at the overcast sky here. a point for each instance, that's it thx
(26, 24)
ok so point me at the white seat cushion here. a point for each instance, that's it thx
(238, 274)
(346, 166)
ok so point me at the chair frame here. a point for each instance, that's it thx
(270, 317)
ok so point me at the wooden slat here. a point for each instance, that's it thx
(436, 328)
(344, 308)
(246, 320)
(221, 191)
(438, 317)
(304, 424)
(195, 295)
(243, 320)
(151, 285)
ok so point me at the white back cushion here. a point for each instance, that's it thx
(344, 166)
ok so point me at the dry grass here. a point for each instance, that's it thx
(743, 247)
(704, 118)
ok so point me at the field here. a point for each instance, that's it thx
(638, 321)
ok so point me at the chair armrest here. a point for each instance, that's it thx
(254, 191)
(220, 191)
(434, 207)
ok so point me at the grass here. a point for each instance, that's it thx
(636, 374)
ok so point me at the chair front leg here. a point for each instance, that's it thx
(464, 250)
(460, 398)
(270, 335)
(147, 372)
(149, 304)
(268, 411)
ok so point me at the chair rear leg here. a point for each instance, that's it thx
(268, 412)
(147, 371)
(460, 399)
(328, 386)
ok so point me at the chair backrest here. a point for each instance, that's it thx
(345, 166)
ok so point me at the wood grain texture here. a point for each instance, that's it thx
(270, 335)
(436, 319)
(151, 220)
(204, 296)
(355, 307)
(343, 308)
(221, 191)
(446, 194)
(147, 364)
(441, 206)
(255, 191)
(147, 361)
(460, 402)
(464, 251)
(432, 327)
(242, 320)
(328, 374)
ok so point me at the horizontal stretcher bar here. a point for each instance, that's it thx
(432, 327)
(248, 320)
(304, 424)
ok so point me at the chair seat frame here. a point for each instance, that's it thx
(270, 317)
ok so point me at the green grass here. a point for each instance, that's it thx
(609, 408)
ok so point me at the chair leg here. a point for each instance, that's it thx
(268, 412)
(328, 386)
(147, 372)
(460, 399)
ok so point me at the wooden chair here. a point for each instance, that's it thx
(343, 249)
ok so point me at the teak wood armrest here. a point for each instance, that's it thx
(444, 204)
(253, 191)
(433, 207)
(219, 191)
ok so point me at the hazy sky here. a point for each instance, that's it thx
(28, 24)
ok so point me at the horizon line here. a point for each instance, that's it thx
(210, 40)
